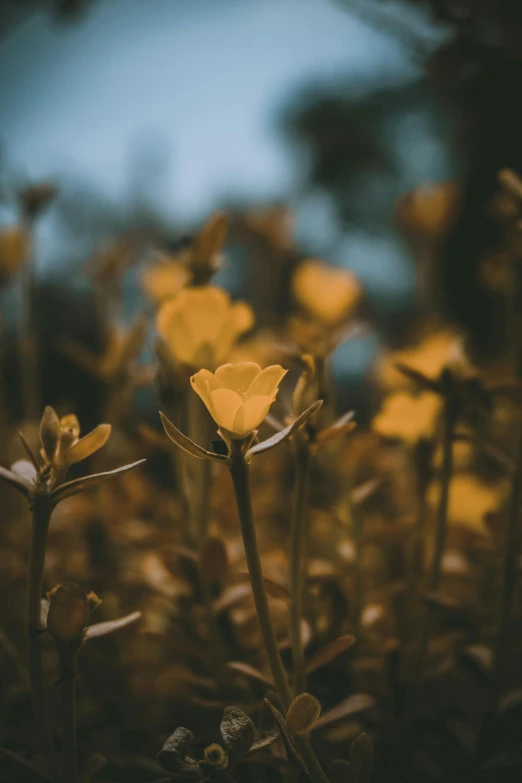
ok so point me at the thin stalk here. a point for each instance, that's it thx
(299, 535)
(27, 337)
(239, 472)
(356, 524)
(434, 576)
(422, 456)
(201, 429)
(442, 512)
(68, 714)
(509, 584)
(42, 510)
(358, 598)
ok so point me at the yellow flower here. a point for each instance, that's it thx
(429, 209)
(408, 418)
(430, 357)
(238, 396)
(165, 279)
(328, 293)
(201, 325)
(471, 501)
(274, 223)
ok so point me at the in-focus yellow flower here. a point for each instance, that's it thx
(201, 325)
(238, 396)
(165, 279)
(408, 418)
(327, 293)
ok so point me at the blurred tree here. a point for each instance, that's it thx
(14, 12)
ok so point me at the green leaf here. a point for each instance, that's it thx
(86, 482)
(183, 442)
(89, 444)
(16, 481)
(279, 437)
(329, 652)
(361, 759)
(290, 748)
(302, 713)
(110, 626)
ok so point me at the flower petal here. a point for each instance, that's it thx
(87, 445)
(267, 381)
(225, 404)
(70, 425)
(251, 414)
(203, 383)
(242, 317)
(49, 432)
(237, 377)
(329, 293)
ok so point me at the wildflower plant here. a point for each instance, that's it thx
(42, 481)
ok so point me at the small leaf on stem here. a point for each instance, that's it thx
(16, 481)
(329, 652)
(89, 444)
(86, 482)
(185, 443)
(302, 713)
(110, 626)
(279, 437)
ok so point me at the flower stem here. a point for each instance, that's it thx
(434, 576)
(68, 714)
(356, 525)
(239, 472)
(42, 509)
(299, 535)
(28, 337)
(508, 592)
(201, 429)
(422, 457)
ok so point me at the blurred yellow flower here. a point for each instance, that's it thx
(274, 223)
(238, 396)
(430, 356)
(429, 209)
(263, 348)
(165, 279)
(201, 325)
(327, 293)
(408, 418)
(471, 500)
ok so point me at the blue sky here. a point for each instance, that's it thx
(200, 80)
